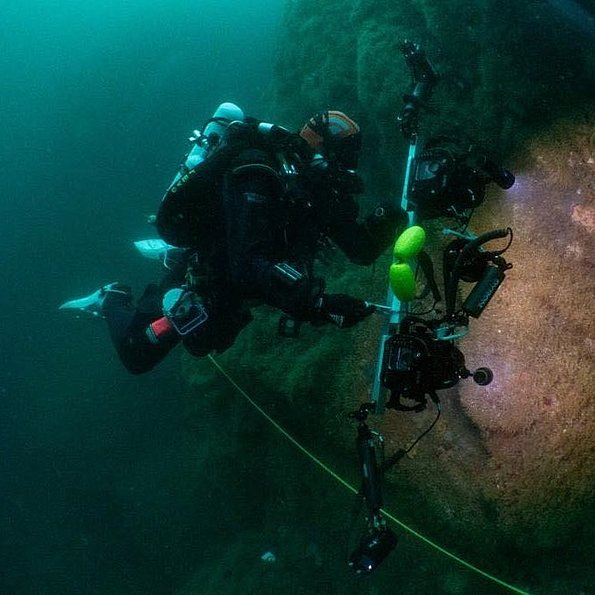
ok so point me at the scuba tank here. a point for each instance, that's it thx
(188, 212)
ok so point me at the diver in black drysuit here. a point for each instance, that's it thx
(266, 238)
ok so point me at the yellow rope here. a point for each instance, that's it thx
(349, 487)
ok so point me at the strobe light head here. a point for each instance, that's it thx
(373, 548)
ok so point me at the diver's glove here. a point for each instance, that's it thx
(384, 223)
(183, 313)
(341, 309)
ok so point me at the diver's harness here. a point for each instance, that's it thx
(418, 356)
(191, 207)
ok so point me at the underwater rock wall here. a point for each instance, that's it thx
(537, 418)
(506, 67)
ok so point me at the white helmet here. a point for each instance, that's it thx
(223, 116)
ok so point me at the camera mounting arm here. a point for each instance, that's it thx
(424, 78)
(367, 443)
(378, 540)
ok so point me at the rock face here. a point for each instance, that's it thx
(506, 478)
(537, 417)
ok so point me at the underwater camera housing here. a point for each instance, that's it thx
(450, 177)
(417, 364)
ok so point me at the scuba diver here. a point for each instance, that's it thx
(241, 225)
